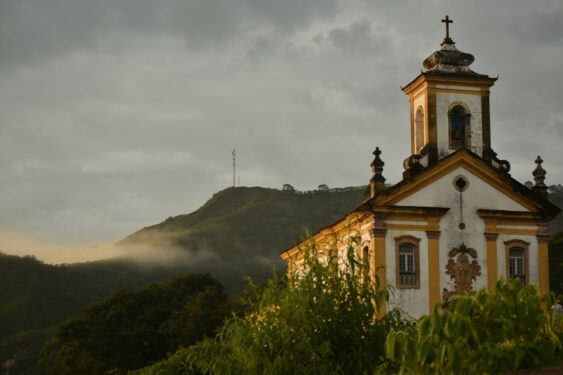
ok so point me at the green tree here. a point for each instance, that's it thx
(132, 329)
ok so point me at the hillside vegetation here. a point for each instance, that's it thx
(132, 329)
(241, 231)
(323, 323)
(35, 295)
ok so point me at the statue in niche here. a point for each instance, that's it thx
(463, 270)
(459, 126)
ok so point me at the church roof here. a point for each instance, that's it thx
(476, 164)
(498, 178)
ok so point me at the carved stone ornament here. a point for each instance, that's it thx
(463, 269)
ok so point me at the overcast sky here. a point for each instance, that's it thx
(115, 114)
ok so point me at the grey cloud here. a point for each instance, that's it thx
(262, 47)
(541, 25)
(33, 30)
(290, 14)
(358, 38)
(122, 113)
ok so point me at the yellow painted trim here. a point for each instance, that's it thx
(330, 234)
(458, 91)
(433, 273)
(411, 108)
(406, 217)
(492, 263)
(434, 82)
(521, 232)
(483, 83)
(459, 160)
(419, 91)
(543, 262)
(380, 269)
(407, 227)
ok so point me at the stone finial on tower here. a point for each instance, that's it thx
(539, 178)
(377, 182)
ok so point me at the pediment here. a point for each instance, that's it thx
(488, 187)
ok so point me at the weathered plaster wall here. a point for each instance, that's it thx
(479, 195)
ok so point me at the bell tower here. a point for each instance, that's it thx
(449, 106)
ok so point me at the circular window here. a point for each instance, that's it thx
(460, 183)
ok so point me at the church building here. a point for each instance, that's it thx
(457, 221)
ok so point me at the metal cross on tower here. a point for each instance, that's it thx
(447, 21)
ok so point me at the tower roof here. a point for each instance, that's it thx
(449, 59)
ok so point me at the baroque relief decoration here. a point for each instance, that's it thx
(461, 270)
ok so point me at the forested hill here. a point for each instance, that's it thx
(241, 231)
(35, 295)
(556, 197)
(238, 232)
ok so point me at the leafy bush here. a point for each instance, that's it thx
(491, 332)
(322, 321)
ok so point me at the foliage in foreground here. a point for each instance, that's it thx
(323, 322)
(133, 329)
(508, 328)
(319, 322)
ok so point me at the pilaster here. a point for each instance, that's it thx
(433, 268)
(492, 261)
(378, 235)
(543, 263)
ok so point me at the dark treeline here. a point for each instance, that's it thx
(133, 329)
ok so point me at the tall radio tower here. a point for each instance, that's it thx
(234, 164)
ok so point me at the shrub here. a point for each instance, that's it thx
(322, 321)
(492, 332)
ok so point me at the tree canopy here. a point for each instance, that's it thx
(132, 329)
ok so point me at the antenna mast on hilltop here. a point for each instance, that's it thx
(234, 164)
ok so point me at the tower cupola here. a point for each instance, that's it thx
(449, 106)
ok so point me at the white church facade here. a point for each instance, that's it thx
(457, 221)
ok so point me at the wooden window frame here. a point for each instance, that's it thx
(521, 244)
(415, 242)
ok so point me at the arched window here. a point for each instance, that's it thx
(407, 262)
(517, 260)
(458, 127)
(419, 129)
